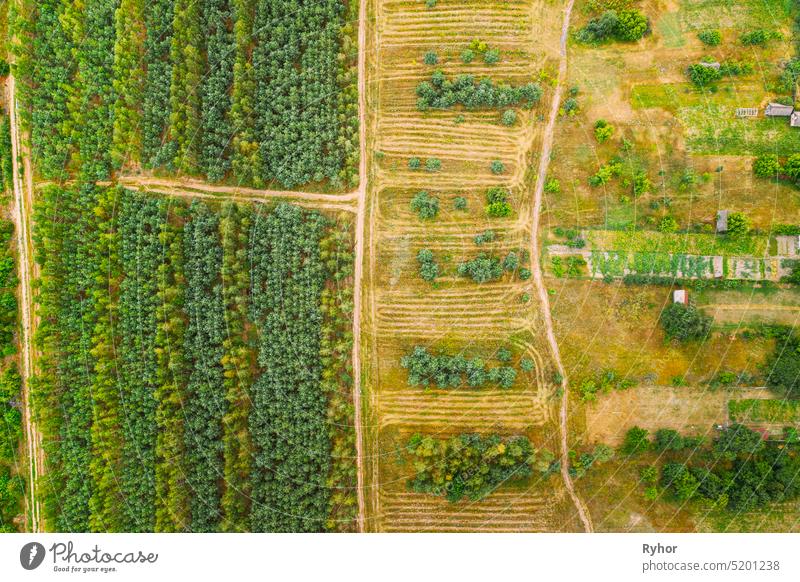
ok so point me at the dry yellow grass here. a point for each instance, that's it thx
(457, 315)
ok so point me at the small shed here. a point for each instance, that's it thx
(747, 112)
(722, 221)
(794, 120)
(680, 296)
(712, 65)
(778, 110)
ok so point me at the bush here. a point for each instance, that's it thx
(425, 205)
(524, 274)
(460, 203)
(738, 225)
(511, 262)
(433, 165)
(552, 186)
(414, 163)
(703, 76)
(603, 130)
(491, 57)
(684, 322)
(5, 69)
(759, 37)
(668, 224)
(710, 37)
(636, 441)
(484, 237)
(467, 56)
(428, 269)
(497, 167)
(482, 269)
(767, 166)
(509, 117)
(497, 203)
(625, 25)
(641, 184)
(784, 368)
(667, 439)
(430, 58)
(632, 25)
(441, 93)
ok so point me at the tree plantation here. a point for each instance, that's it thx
(251, 91)
(195, 369)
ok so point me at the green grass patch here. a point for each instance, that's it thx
(786, 411)
(650, 241)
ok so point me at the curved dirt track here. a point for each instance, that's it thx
(544, 162)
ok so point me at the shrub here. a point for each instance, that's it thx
(527, 365)
(625, 25)
(571, 106)
(428, 269)
(710, 37)
(738, 224)
(552, 186)
(433, 164)
(641, 184)
(631, 25)
(497, 167)
(504, 354)
(481, 269)
(497, 203)
(511, 262)
(603, 130)
(635, 442)
(491, 57)
(702, 76)
(792, 167)
(759, 37)
(5, 69)
(668, 224)
(460, 203)
(667, 439)
(684, 322)
(524, 274)
(414, 163)
(509, 117)
(767, 166)
(430, 58)
(441, 93)
(484, 237)
(467, 56)
(425, 205)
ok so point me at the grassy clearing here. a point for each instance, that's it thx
(781, 411)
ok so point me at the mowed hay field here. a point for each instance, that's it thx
(456, 315)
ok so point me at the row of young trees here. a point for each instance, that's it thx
(194, 359)
(12, 484)
(255, 90)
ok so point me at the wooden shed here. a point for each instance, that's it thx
(778, 110)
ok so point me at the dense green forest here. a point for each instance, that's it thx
(196, 364)
(12, 484)
(260, 92)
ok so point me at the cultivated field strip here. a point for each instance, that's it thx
(406, 311)
(502, 511)
(448, 412)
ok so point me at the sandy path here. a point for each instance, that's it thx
(359, 259)
(21, 216)
(544, 162)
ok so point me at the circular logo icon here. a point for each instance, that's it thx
(31, 555)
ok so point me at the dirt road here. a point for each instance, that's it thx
(544, 162)
(22, 213)
(361, 196)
